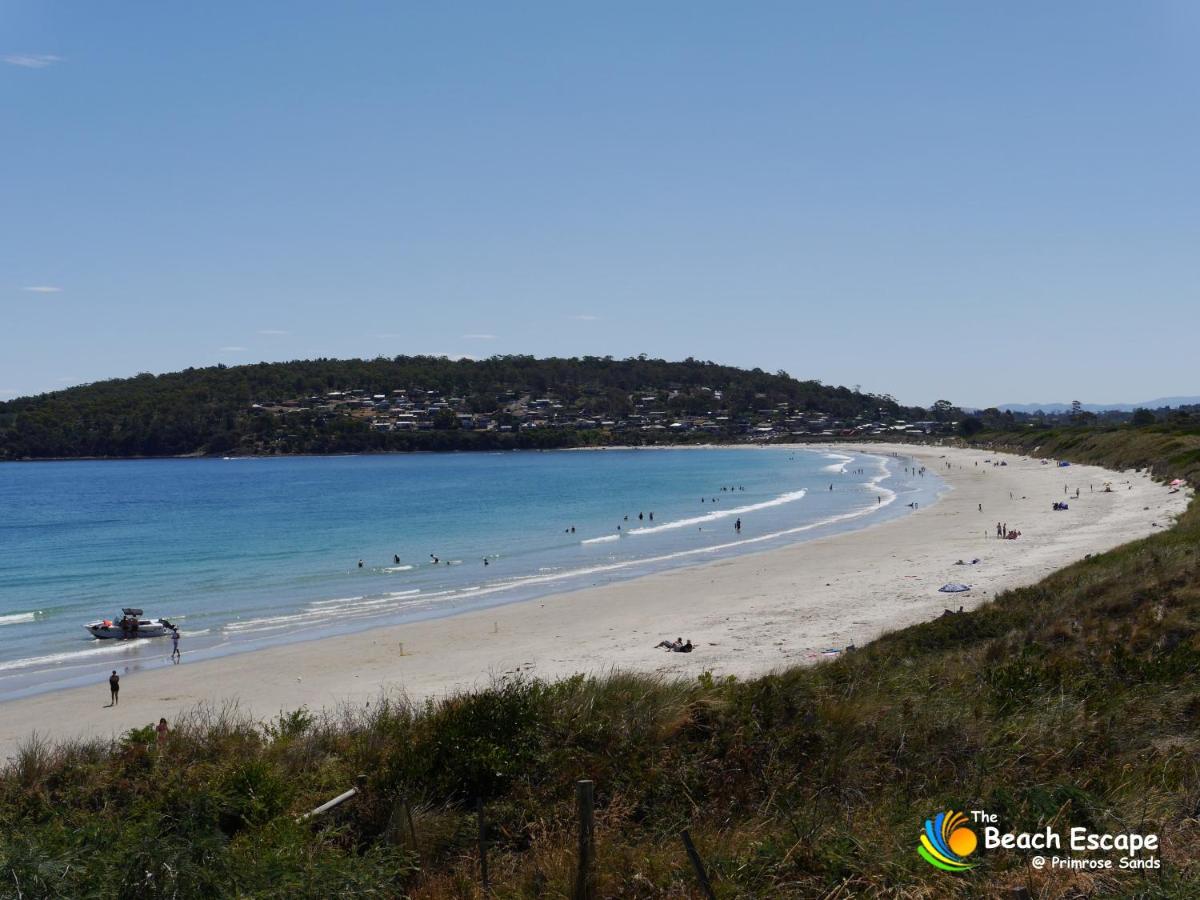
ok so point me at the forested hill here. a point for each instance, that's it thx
(410, 403)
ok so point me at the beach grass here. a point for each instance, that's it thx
(1071, 702)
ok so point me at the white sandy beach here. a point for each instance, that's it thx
(746, 615)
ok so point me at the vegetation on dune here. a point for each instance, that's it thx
(1072, 702)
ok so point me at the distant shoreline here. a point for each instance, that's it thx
(682, 445)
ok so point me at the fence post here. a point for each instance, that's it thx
(412, 832)
(697, 864)
(483, 867)
(585, 885)
(400, 825)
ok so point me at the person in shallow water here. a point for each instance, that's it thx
(396, 559)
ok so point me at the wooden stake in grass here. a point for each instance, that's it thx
(483, 870)
(585, 884)
(401, 816)
(697, 864)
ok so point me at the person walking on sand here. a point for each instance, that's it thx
(175, 645)
(114, 687)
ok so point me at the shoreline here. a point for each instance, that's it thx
(67, 669)
(825, 441)
(746, 614)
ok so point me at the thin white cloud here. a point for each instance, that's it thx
(233, 349)
(8, 392)
(274, 332)
(585, 317)
(42, 289)
(479, 337)
(32, 60)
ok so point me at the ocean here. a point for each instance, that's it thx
(247, 552)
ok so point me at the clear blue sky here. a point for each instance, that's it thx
(983, 202)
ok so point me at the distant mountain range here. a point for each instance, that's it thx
(1101, 407)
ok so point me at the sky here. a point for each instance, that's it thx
(985, 203)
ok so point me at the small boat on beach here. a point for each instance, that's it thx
(131, 625)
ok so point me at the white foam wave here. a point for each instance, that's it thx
(838, 467)
(602, 540)
(337, 601)
(790, 497)
(70, 656)
(341, 609)
(398, 568)
(17, 618)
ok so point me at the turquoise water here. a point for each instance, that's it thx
(247, 552)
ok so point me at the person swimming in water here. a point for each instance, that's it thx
(360, 563)
(395, 559)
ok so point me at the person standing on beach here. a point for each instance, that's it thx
(175, 645)
(161, 729)
(114, 687)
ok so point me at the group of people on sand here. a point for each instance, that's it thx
(1002, 531)
(676, 646)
